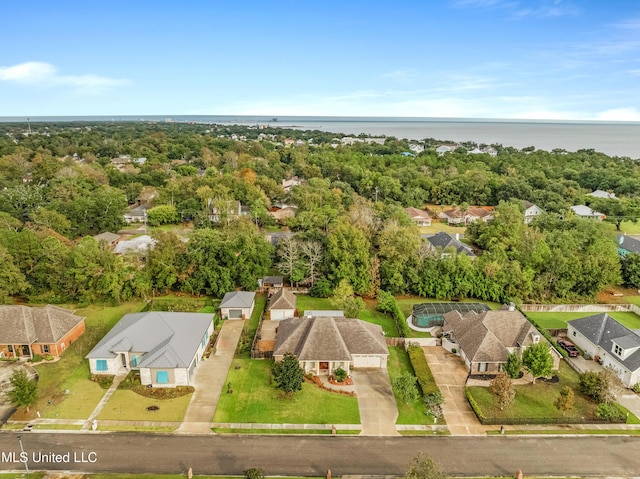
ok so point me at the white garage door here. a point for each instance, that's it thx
(278, 314)
(366, 361)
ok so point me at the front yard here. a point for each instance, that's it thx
(255, 400)
(535, 402)
(129, 406)
(64, 388)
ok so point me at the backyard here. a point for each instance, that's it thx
(249, 328)
(255, 400)
(559, 320)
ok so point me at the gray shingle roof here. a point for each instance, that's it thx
(629, 244)
(107, 236)
(238, 299)
(328, 339)
(601, 329)
(283, 299)
(26, 325)
(326, 313)
(168, 340)
(139, 245)
(444, 240)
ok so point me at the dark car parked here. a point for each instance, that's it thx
(569, 347)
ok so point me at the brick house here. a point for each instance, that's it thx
(47, 331)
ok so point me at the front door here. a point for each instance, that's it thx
(124, 360)
(324, 366)
(25, 350)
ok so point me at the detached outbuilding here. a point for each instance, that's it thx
(237, 305)
(282, 305)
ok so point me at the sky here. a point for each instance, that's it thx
(511, 59)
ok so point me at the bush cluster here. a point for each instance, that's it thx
(421, 370)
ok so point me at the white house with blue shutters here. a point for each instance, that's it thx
(165, 348)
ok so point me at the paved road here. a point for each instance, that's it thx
(313, 455)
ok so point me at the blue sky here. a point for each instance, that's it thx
(526, 59)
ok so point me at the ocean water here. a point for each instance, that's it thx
(612, 138)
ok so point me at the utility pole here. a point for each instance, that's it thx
(26, 462)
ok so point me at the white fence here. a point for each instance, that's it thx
(579, 308)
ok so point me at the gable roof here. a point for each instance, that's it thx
(583, 210)
(477, 211)
(444, 240)
(273, 279)
(238, 299)
(603, 194)
(416, 214)
(282, 299)
(168, 340)
(601, 329)
(328, 338)
(27, 325)
(628, 243)
(139, 245)
(107, 236)
(485, 337)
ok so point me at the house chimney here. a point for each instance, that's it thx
(512, 306)
(535, 337)
(457, 236)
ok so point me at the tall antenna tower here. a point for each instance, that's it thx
(29, 125)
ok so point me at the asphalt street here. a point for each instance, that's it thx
(313, 455)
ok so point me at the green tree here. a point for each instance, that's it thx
(602, 386)
(348, 257)
(406, 387)
(565, 400)
(538, 360)
(162, 215)
(423, 467)
(344, 299)
(287, 374)
(502, 388)
(163, 260)
(631, 270)
(513, 366)
(51, 219)
(12, 281)
(23, 392)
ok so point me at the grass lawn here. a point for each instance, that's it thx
(249, 328)
(255, 399)
(304, 302)
(72, 373)
(536, 401)
(437, 227)
(414, 412)
(129, 406)
(559, 320)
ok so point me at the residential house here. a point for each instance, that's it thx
(442, 149)
(46, 331)
(137, 213)
(483, 340)
(613, 344)
(282, 305)
(324, 344)
(271, 281)
(603, 194)
(281, 214)
(110, 238)
(287, 184)
(419, 217)
(121, 162)
(445, 244)
(237, 305)
(587, 213)
(226, 210)
(458, 216)
(628, 245)
(139, 246)
(350, 140)
(531, 211)
(165, 348)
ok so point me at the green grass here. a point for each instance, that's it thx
(243, 351)
(256, 400)
(72, 373)
(559, 320)
(537, 400)
(339, 432)
(137, 428)
(129, 406)
(437, 227)
(305, 302)
(414, 412)
(64, 427)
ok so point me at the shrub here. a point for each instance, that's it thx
(48, 357)
(388, 304)
(513, 365)
(321, 289)
(610, 412)
(636, 388)
(405, 386)
(474, 405)
(454, 350)
(340, 375)
(36, 358)
(254, 473)
(386, 301)
(287, 374)
(421, 370)
(434, 402)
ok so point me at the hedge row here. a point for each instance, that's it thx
(387, 304)
(474, 405)
(422, 371)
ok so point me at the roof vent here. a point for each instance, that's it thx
(512, 306)
(535, 337)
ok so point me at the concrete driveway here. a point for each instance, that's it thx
(377, 404)
(450, 375)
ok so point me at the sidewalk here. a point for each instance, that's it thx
(105, 399)
(209, 380)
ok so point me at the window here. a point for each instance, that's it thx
(134, 361)
(204, 340)
(45, 348)
(482, 367)
(101, 365)
(162, 377)
(10, 348)
(617, 349)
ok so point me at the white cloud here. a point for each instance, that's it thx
(619, 114)
(46, 74)
(630, 24)
(521, 9)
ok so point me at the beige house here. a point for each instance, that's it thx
(419, 217)
(458, 216)
(282, 305)
(324, 344)
(484, 340)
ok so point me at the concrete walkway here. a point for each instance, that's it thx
(105, 399)
(450, 375)
(377, 404)
(209, 380)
